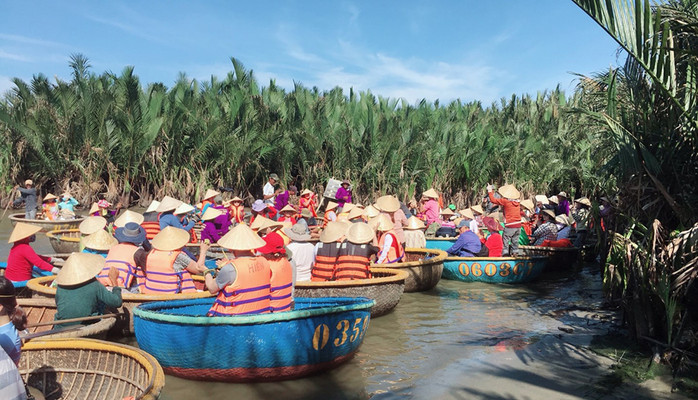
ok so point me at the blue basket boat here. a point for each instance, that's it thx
(318, 335)
(519, 269)
(440, 243)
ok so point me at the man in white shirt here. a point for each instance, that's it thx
(268, 191)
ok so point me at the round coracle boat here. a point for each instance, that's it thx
(558, 257)
(41, 287)
(385, 288)
(519, 269)
(423, 267)
(40, 311)
(440, 243)
(89, 369)
(64, 240)
(46, 225)
(318, 335)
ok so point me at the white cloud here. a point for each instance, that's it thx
(11, 56)
(34, 41)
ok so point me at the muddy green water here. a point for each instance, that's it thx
(424, 347)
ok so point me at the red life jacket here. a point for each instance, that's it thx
(309, 203)
(281, 290)
(160, 277)
(396, 253)
(249, 294)
(354, 261)
(325, 262)
(152, 228)
(120, 256)
(237, 213)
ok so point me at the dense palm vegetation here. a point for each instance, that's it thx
(110, 133)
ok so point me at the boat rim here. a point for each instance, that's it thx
(395, 277)
(547, 248)
(440, 257)
(53, 235)
(145, 311)
(19, 217)
(521, 258)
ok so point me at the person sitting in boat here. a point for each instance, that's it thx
(357, 214)
(79, 293)
(356, 253)
(168, 268)
(150, 220)
(311, 223)
(129, 257)
(468, 243)
(493, 239)
(22, 257)
(236, 210)
(105, 209)
(89, 226)
(512, 216)
(330, 213)
(28, 197)
(287, 214)
(49, 207)
(260, 208)
(12, 320)
(527, 221)
(390, 206)
(243, 283)
(11, 383)
(430, 207)
(580, 214)
(186, 215)
(282, 273)
(563, 227)
(283, 199)
(167, 207)
(547, 230)
(447, 227)
(68, 202)
(308, 201)
(216, 224)
(327, 251)
(470, 215)
(99, 243)
(343, 194)
(303, 253)
(344, 213)
(391, 250)
(414, 233)
(207, 201)
(563, 205)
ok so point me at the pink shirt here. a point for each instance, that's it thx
(431, 211)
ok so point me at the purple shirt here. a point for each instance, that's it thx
(281, 200)
(467, 245)
(342, 196)
(563, 207)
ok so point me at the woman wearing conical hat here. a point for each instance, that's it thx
(581, 215)
(167, 209)
(242, 283)
(22, 256)
(287, 214)
(99, 243)
(391, 250)
(512, 216)
(308, 201)
(50, 207)
(68, 202)
(207, 201)
(414, 233)
(216, 224)
(430, 209)
(237, 211)
(390, 206)
(330, 213)
(327, 251)
(355, 253)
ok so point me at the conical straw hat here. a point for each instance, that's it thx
(414, 223)
(210, 193)
(478, 209)
(270, 224)
(549, 213)
(540, 198)
(583, 200)
(331, 206)
(528, 204)
(241, 238)
(94, 208)
(100, 240)
(153, 206)
(306, 191)
(211, 213)
(333, 231)
(431, 193)
(288, 208)
(553, 199)
(510, 192)
(383, 223)
(347, 207)
(388, 203)
(360, 233)
(372, 211)
(50, 196)
(183, 208)
(79, 268)
(92, 224)
(168, 204)
(467, 213)
(236, 199)
(128, 216)
(170, 239)
(562, 219)
(23, 230)
(356, 212)
(258, 222)
(447, 212)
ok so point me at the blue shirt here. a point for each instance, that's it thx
(564, 233)
(170, 219)
(68, 204)
(467, 245)
(10, 341)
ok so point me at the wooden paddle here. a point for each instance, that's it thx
(70, 320)
(49, 332)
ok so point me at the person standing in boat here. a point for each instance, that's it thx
(129, 257)
(269, 190)
(303, 253)
(22, 256)
(50, 207)
(68, 202)
(242, 285)
(512, 216)
(282, 274)
(307, 201)
(355, 253)
(547, 230)
(327, 251)
(343, 194)
(391, 250)
(79, 293)
(581, 214)
(468, 243)
(28, 196)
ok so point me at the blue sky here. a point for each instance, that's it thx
(472, 50)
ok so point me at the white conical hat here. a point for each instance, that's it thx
(431, 193)
(210, 193)
(258, 222)
(50, 196)
(211, 213)
(92, 224)
(383, 223)
(528, 204)
(372, 211)
(168, 204)
(79, 268)
(388, 203)
(128, 216)
(288, 208)
(170, 239)
(183, 208)
(94, 208)
(478, 209)
(242, 237)
(542, 199)
(360, 233)
(23, 230)
(333, 231)
(414, 223)
(100, 240)
(153, 206)
(510, 192)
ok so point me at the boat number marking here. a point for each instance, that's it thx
(530, 268)
(476, 269)
(342, 326)
(490, 269)
(321, 336)
(505, 269)
(358, 330)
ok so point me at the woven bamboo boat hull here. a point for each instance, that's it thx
(47, 226)
(423, 266)
(44, 310)
(83, 369)
(318, 335)
(385, 288)
(41, 287)
(64, 240)
(558, 257)
(494, 269)
(440, 243)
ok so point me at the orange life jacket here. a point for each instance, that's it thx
(249, 294)
(354, 261)
(396, 253)
(152, 228)
(49, 211)
(309, 203)
(325, 262)
(281, 290)
(121, 257)
(160, 276)
(237, 213)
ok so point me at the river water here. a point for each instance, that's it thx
(411, 352)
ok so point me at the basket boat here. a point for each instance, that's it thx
(440, 243)
(64, 240)
(90, 369)
(318, 335)
(519, 269)
(44, 310)
(47, 226)
(41, 287)
(558, 257)
(385, 288)
(21, 286)
(423, 267)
